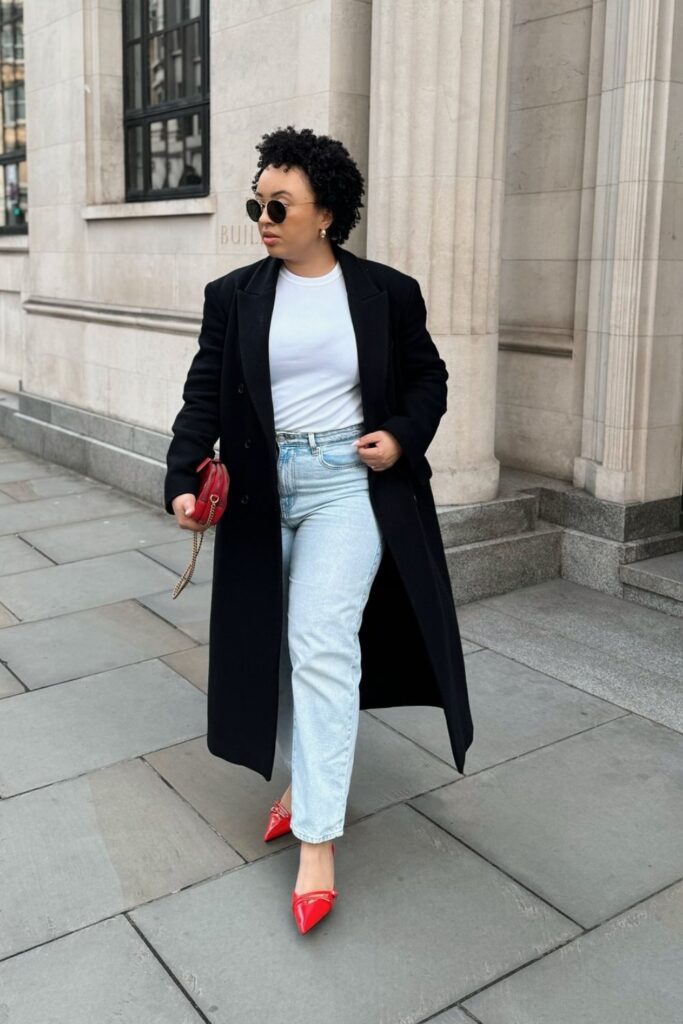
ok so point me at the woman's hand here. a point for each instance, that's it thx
(183, 506)
(378, 449)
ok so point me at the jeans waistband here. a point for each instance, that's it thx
(316, 437)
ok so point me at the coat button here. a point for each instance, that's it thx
(240, 387)
(247, 443)
(244, 499)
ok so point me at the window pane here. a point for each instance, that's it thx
(134, 77)
(174, 151)
(13, 105)
(156, 15)
(176, 86)
(157, 72)
(157, 152)
(192, 7)
(133, 18)
(192, 171)
(7, 42)
(135, 165)
(175, 148)
(193, 60)
(173, 12)
(15, 194)
(20, 102)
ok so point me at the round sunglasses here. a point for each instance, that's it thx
(277, 211)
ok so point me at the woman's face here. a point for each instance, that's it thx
(299, 233)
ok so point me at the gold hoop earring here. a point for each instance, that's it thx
(323, 232)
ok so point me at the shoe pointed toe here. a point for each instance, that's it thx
(308, 908)
(279, 822)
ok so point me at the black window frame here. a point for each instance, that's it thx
(146, 114)
(17, 156)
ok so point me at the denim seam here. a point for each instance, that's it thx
(356, 464)
(353, 715)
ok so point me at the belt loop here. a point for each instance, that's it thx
(311, 440)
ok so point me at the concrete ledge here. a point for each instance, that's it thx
(465, 524)
(657, 601)
(490, 567)
(129, 471)
(132, 439)
(660, 575)
(578, 510)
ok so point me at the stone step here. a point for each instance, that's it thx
(655, 582)
(488, 567)
(467, 524)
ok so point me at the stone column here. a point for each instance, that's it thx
(633, 396)
(438, 99)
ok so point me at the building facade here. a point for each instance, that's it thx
(523, 159)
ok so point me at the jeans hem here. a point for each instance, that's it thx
(330, 834)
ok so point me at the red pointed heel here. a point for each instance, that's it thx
(279, 822)
(310, 907)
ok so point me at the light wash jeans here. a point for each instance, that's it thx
(331, 550)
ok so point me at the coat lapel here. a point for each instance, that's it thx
(369, 309)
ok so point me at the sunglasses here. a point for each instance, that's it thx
(277, 211)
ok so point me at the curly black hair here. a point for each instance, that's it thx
(336, 182)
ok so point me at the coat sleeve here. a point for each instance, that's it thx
(423, 392)
(196, 428)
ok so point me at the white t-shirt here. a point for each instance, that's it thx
(315, 382)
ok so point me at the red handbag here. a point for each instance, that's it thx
(210, 504)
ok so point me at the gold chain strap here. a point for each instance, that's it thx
(197, 538)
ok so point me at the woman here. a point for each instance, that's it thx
(330, 588)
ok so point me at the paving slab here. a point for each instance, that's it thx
(192, 663)
(420, 921)
(60, 731)
(81, 643)
(102, 536)
(515, 709)
(6, 617)
(592, 823)
(10, 454)
(600, 622)
(12, 470)
(52, 487)
(5, 499)
(69, 508)
(176, 555)
(468, 647)
(85, 849)
(621, 680)
(188, 612)
(102, 974)
(663, 575)
(235, 801)
(627, 971)
(43, 593)
(18, 556)
(9, 684)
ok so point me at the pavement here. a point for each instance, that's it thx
(545, 886)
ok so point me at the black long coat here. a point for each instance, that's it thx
(411, 653)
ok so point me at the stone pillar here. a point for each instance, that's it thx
(633, 397)
(438, 99)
